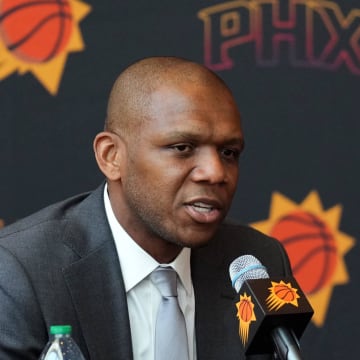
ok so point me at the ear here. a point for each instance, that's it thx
(108, 149)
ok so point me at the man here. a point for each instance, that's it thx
(170, 154)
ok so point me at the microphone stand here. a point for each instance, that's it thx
(286, 344)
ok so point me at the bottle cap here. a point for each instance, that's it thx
(60, 329)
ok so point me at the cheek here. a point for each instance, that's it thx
(159, 170)
(234, 180)
(153, 180)
(232, 177)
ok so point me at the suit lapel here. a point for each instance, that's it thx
(99, 298)
(95, 282)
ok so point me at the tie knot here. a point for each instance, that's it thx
(165, 279)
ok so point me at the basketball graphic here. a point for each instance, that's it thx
(35, 30)
(281, 293)
(245, 314)
(285, 292)
(311, 247)
(315, 245)
(38, 35)
(245, 310)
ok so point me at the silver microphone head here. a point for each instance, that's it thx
(246, 267)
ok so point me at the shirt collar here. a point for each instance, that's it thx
(136, 264)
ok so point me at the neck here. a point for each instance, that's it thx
(163, 252)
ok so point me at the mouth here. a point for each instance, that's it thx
(202, 207)
(204, 211)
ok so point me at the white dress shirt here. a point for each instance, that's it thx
(143, 298)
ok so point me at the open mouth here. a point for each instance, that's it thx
(202, 207)
(204, 211)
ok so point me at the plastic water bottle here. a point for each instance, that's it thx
(61, 346)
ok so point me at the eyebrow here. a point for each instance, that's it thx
(191, 136)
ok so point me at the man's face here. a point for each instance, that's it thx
(182, 166)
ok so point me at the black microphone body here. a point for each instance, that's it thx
(273, 312)
(286, 344)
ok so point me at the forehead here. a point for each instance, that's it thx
(190, 94)
(193, 107)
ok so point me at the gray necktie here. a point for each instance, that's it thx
(170, 331)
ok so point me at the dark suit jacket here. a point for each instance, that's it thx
(60, 266)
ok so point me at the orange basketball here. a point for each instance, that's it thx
(35, 30)
(245, 310)
(284, 293)
(311, 248)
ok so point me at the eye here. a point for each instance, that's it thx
(230, 154)
(183, 149)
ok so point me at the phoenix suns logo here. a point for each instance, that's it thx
(245, 314)
(319, 34)
(281, 293)
(315, 245)
(38, 35)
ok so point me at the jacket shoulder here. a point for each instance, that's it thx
(54, 212)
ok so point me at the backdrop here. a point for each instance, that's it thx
(294, 68)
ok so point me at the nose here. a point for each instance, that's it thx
(210, 168)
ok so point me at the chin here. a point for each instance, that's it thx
(191, 236)
(195, 241)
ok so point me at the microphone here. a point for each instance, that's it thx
(273, 312)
